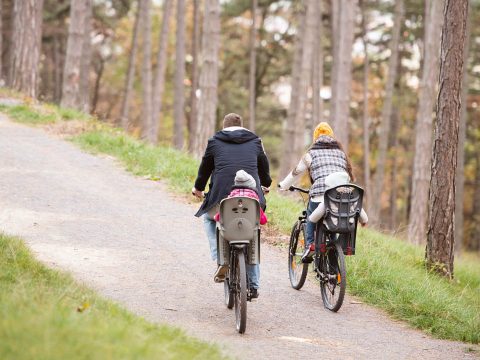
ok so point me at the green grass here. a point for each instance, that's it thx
(40, 318)
(40, 115)
(24, 114)
(177, 168)
(390, 273)
(386, 272)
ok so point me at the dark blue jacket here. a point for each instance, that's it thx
(226, 153)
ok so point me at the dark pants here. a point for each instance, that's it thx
(310, 226)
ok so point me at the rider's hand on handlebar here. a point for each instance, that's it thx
(197, 193)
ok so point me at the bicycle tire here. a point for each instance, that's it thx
(297, 270)
(228, 293)
(240, 292)
(333, 279)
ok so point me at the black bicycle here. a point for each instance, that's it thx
(238, 244)
(335, 237)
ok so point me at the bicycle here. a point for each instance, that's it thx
(335, 237)
(238, 243)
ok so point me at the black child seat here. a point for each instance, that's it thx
(343, 205)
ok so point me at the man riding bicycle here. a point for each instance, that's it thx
(232, 149)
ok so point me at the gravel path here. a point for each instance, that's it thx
(137, 244)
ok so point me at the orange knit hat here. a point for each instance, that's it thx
(322, 129)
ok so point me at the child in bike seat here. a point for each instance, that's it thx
(333, 180)
(245, 186)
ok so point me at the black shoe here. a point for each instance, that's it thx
(307, 256)
(253, 293)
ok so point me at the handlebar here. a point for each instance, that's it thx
(294, 188)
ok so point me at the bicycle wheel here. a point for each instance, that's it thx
(297, 270)
(228, 293)
(240, 292)
(333, 280)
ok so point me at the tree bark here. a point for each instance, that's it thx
(208, 85)
(365, 115)
(344, 26)
(317, 71)
(376, 205)
(253, 66)
(192, 120)
(73, 59)
(179, 93)
(146, 20)
(96, 88)
(131, 70)
(288, 154)
(84, 94)
(462, 135)
(395, 124)
(159, 82)
(7, 35)
(25, 54)
(1, 44)
(59, 65)
(294, 146)
(441, 214)
(423, 125)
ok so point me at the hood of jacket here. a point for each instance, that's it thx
(239, 136)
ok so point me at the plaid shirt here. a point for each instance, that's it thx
(324, 162)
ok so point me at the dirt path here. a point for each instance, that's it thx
(134, 243)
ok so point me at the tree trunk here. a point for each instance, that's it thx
(294, 147)
(159, 82)
(334, 19)
(253, 66)
(146, 20)
(317, 71)
(441, 218)
(96, 88)
(7, 35)
(288, 159)
(376, 205)
(192, 120)
(73, 59)
(423, 125)
(131, 70)
(462, 135)
(1, 44)
(208, 85)
(344, 26)
(84, 95)
(395, 125)
(27, 40)
(179, 93)
(59, 65)
(365, 116)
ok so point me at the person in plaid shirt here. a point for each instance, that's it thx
(325, 156)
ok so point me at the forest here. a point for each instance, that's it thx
(379, 71)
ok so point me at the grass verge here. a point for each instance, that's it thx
(386, 272)
(44, 314)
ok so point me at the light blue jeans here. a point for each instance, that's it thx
(253, 271)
